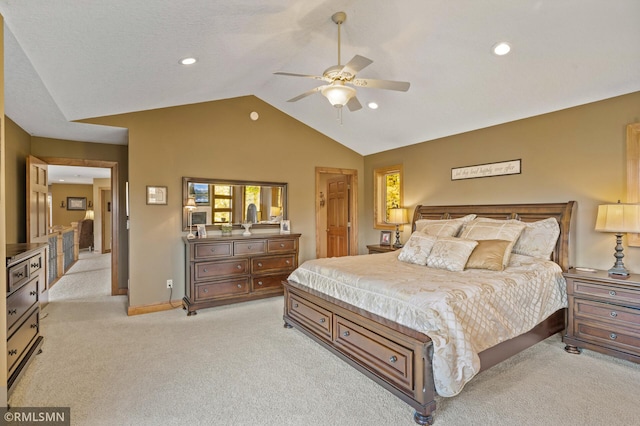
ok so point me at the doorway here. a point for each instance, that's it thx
(336, 212)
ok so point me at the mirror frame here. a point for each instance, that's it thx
(185, 195)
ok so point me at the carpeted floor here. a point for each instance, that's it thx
(237, 365)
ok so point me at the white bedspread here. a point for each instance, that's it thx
(462, 312)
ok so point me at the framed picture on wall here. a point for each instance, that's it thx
(385, 238)
(76, 203)
(156, 195)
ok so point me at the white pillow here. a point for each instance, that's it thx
(450, 253)
(538, 239)
(483, 229)
(417, 248)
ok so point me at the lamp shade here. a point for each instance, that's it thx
(89, 215)
(398, 216)
(338, 94)
(191, 204)
(618, 218)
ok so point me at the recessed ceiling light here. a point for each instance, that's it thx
(188, 61)
(501, 48)
(372, 105)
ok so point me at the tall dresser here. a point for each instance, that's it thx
(224, 270)
(26, 277)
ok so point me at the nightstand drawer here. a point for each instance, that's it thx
(606, 292)
(606, 312)
(609, 336)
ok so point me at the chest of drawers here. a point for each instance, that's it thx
(223, 270)
(603, 314)
(26, 275)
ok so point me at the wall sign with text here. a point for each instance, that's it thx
(512, 167)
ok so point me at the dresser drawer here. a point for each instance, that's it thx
(35, 264)
(208, 270)
(20, 340)
(213, 250)
(611, 336)
(314, 317)
(267, 282)
(277, 246)
(20, 301)
(273, 264)
(222, 288)
(18, 275)
(384, 357)
(607, 292)
(249, 247)
(606, 312)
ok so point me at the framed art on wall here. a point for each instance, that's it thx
(76, 203)
(156, 194)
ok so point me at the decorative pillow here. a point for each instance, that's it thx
(450, 253)
(538, 239)
(479, 229)
(417, 248)
(443, 227)
(488, 254)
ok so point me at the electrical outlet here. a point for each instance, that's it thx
(169, 283)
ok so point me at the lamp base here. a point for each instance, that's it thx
(397, 243)
(618, 267)
(190, 236)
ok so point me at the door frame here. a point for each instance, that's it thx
(115, 208)
(352, 179)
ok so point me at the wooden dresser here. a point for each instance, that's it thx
(604, 314)
(26, 276)
(223, 270)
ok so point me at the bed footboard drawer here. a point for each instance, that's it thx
(312, 316)
(387, 358)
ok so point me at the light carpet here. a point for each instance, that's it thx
(237, 365)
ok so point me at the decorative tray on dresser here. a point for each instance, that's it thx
(26, 275)
(603, 314)
(224, 270)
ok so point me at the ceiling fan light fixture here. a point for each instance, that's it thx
(501, 48)
(338, 94)
(188, 61)
(373, 105)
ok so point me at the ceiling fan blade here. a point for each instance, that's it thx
(290, 74)
(354, 104)
(307, 93)
(356, 64)
(401, 86)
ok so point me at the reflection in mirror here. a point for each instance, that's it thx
(225, 201)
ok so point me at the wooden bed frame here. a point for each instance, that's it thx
(396, 357)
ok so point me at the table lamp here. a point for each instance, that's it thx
(397, 216)
(190, 206)
(618, 219)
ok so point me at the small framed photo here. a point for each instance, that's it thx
(285, 227)
(385, 238)
(156, 195)
(202, 230)
(76, 203)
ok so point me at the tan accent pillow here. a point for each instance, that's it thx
(417, 248)
(450, 253)
(488, 254)
(538, 239)
(479, 229)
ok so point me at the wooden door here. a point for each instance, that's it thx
(37, 205)
(338, 216)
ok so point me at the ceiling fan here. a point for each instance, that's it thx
(340, 76)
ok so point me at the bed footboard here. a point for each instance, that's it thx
(397, 358)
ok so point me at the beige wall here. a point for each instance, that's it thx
(98, 186)
(214, 140)
(574, 154)
(61, 216)
(18, 147)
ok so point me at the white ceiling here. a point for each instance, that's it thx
(76, 174)
(73, 59)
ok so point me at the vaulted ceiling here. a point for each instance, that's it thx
(68, 60)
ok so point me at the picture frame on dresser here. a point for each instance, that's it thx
(385, 238)
(285, 227)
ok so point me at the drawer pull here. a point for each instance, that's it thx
(35, 265)
(295, 305)
(239, 266)
(322, 320)
(206, 290)
(613, 314)
(281, 244)
(13, 352)
(19, 274)
(213, 250)
(259, 282)
(346, 333)
(393, 359)
(613, 336)
(249, 246)
(12, 311)
(612, 292)
(239, 285)
(34, 326)
(33, 293)
(204, 270)
(288, 262)
(260, 264)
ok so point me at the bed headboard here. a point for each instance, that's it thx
(524, 212)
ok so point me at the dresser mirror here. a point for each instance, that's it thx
(220, 202)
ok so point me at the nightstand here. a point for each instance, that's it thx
(603, 314)
(377, 248)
